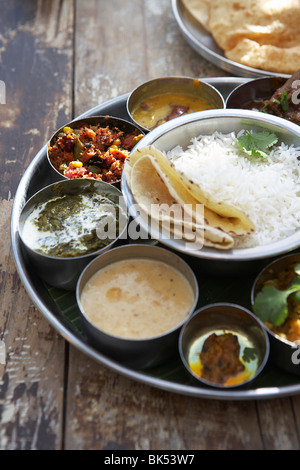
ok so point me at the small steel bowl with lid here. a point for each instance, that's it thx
(165, 98)
(133, 300)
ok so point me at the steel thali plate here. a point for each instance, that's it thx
(60, 309)
(204, 44)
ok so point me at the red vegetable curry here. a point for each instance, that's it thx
(92, 152)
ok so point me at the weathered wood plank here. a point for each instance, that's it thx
(31, 371)
(36, 50)
(106, 411)
(166, 50)
(296, 411)
(109, 50)
(278, 426)
(36, 53)
(120, 46)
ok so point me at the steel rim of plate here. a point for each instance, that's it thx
(216, 58)
(72, 338)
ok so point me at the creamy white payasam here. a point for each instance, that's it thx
(137, 298)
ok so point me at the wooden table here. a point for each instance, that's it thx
(57, 60)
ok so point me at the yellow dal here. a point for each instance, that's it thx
(160, 106)
(137, 298)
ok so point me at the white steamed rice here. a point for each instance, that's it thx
(267, 190)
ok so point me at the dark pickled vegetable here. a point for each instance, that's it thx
(220, 357)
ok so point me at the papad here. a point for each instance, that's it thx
(199, 11)
(255, 33)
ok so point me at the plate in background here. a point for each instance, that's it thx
(203, 43)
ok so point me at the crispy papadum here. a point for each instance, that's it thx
(198, 10)
(255, 33)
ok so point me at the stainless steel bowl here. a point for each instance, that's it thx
(64, 272)
(135, 353)
(163, 85)
(285, 354)
(227, 317)
(258, 89)
(180, 131)
(103, 121)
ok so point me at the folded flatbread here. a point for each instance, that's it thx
(155, 184)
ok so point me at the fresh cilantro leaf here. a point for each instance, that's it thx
(270, 304)
(264, 140)
(256, 143)
(284, 101)
(249, 354)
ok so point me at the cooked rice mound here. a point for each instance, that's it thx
(266, 189)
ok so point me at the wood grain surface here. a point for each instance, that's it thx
(58, 58)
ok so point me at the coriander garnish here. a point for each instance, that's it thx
(249, 354)
(271, 304)
(256, 143)
(284, 101)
